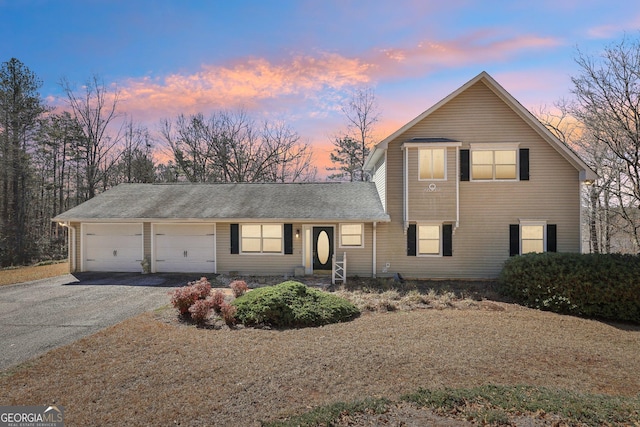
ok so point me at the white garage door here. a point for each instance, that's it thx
(184, 248)
(112, 247)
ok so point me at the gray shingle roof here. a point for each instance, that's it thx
(299, 201)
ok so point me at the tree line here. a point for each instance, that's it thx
(51, 161)
(602, 123)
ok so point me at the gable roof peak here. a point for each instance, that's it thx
(585, 171)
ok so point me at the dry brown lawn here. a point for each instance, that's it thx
(152, 370)
(27, 274)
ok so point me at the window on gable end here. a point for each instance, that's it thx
(489, 165)
(431, 163)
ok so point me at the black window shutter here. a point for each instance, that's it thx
(552, 238)
(464, 165)
(514, 239)
(288, 239)
(524, 164)
(411, 240)
(447, 240)
(235, 239)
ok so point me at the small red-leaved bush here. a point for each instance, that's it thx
(228, 313)
(201, 287)
(216, 300)
(183, 298)
(239, 287)
(200, 310)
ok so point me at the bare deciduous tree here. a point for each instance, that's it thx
(135, 162)
(607, 95)
(285, 158)
(229, 147)
(94, 107)
(351, 150)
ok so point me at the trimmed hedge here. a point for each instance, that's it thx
(292, 304)
(605, 286)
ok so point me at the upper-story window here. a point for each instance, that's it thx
(494, 164)
(431, 163)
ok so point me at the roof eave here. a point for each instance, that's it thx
(586, 173)
(372, 159)
(199, 220)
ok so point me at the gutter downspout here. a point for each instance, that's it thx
(71, 245)
(405, 190)
(72, 249)
(375, 249)
(457, 188)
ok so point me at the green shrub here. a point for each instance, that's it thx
(590, 285)
(292, 304)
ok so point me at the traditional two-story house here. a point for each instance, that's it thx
(456, 191)
(471, 181)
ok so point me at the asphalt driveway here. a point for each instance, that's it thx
(38, 316)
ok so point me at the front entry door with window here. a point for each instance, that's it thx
(322, 248)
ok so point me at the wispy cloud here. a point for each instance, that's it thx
(483, 46)
(609, 31)
(248, 84)
(310, 81)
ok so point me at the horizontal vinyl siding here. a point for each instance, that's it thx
(255, 264)
(147, 240)
(380, 180)
(481, 243)
(394, 189)
(359, 260)
(432, 200)
(76, 243)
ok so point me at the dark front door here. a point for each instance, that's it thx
(322, 248)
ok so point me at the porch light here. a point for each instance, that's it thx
(297, 233)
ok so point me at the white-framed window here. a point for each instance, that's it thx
(429, 238)
(432, 164)
(488, 165)
(532, 236)
(261, 238)
(351, 235)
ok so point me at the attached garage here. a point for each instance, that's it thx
(112, 247)
(184, 248)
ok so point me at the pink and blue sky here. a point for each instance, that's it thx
(297, 60)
